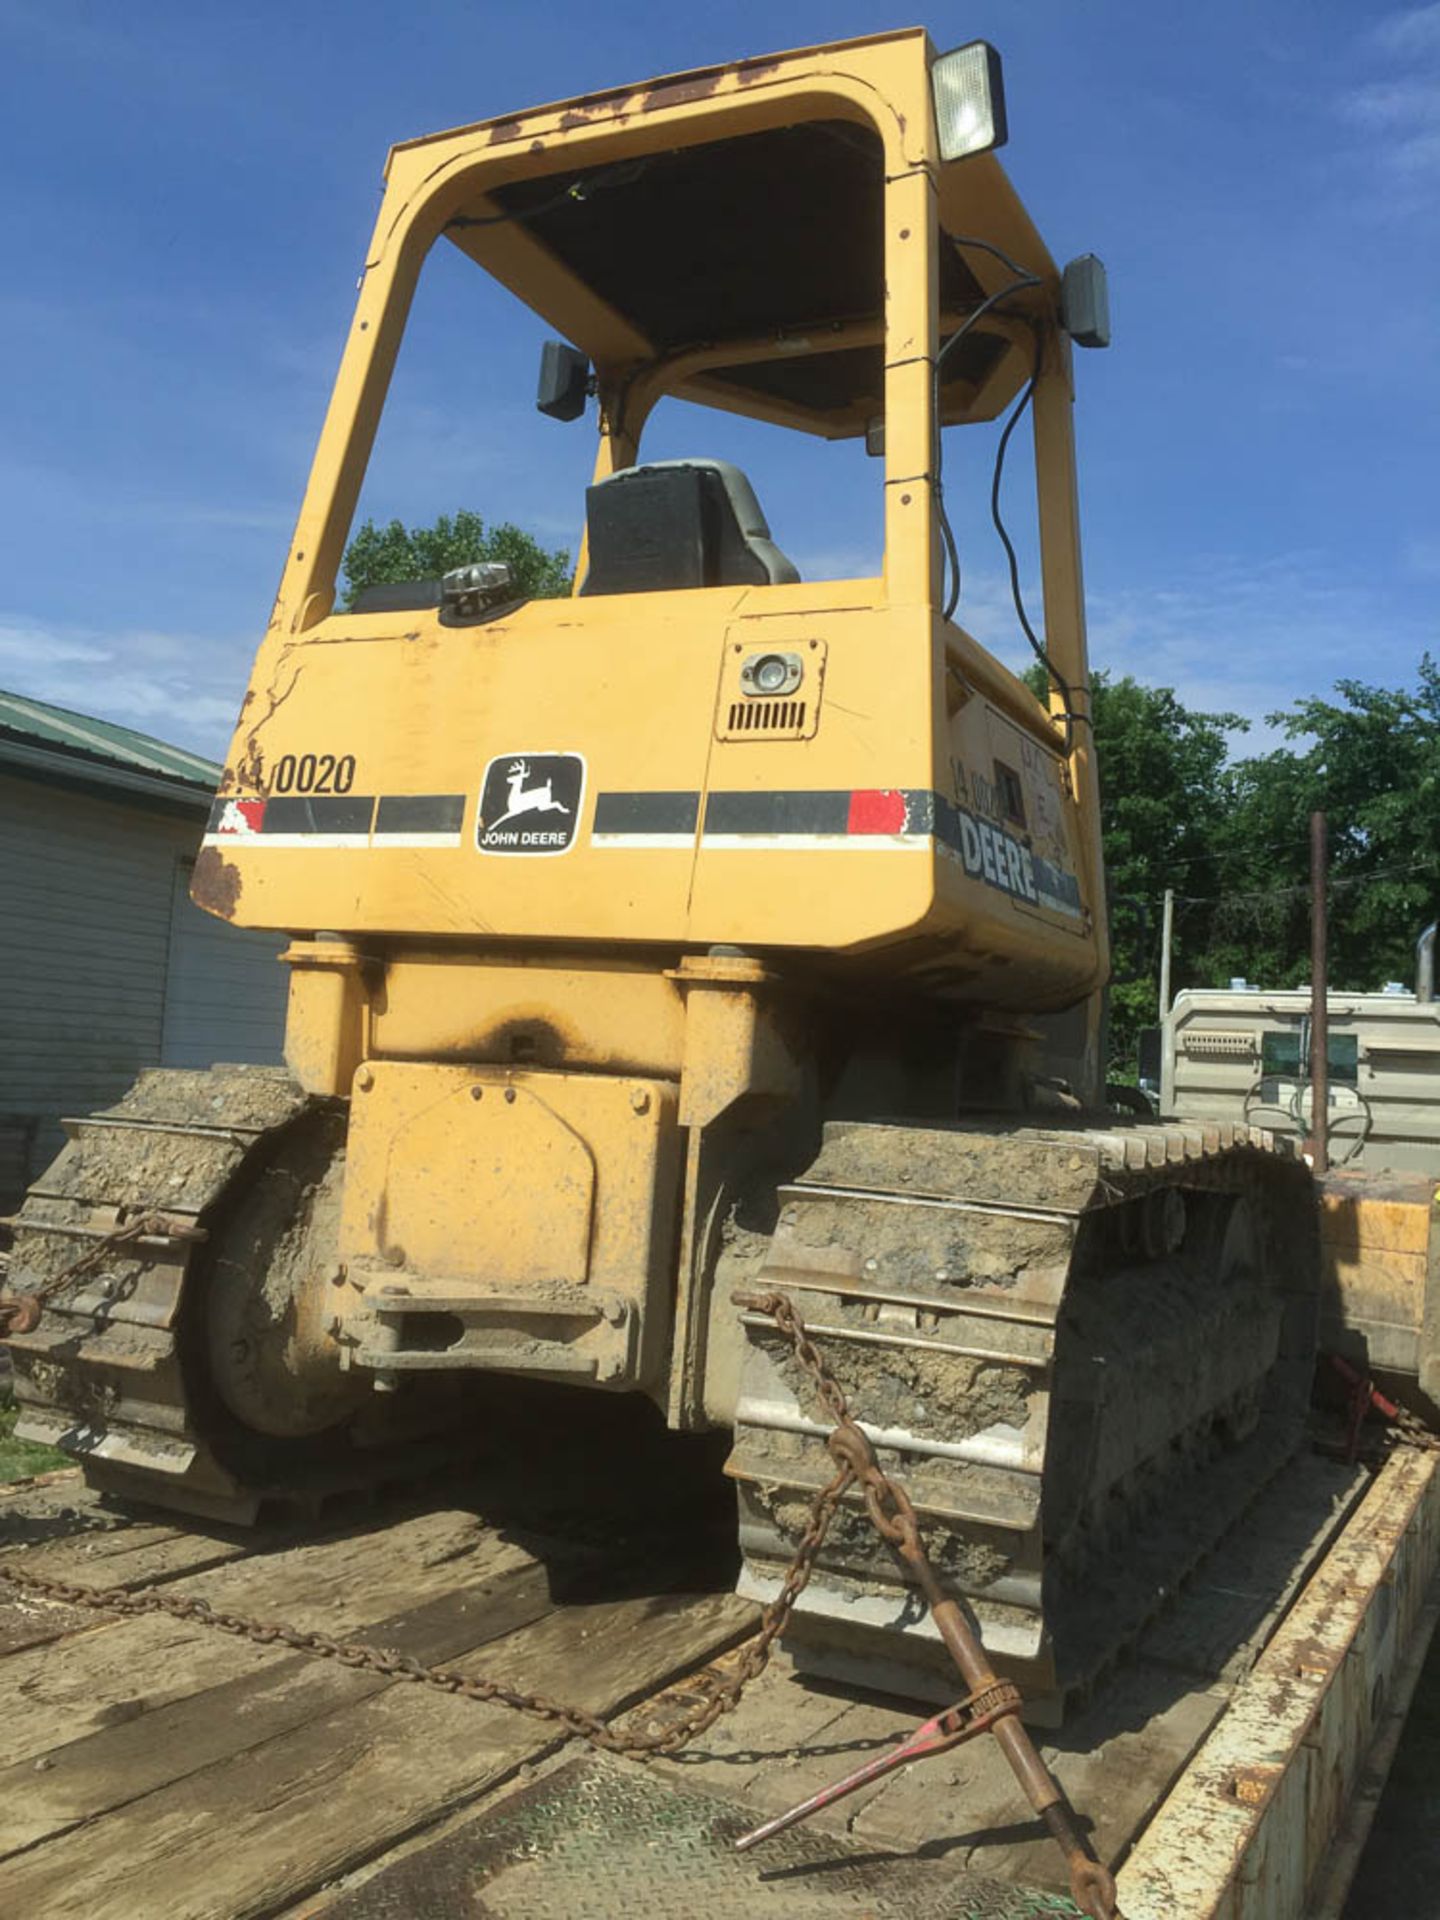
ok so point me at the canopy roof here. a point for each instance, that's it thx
(751, 266)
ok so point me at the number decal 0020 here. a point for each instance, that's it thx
(314, 773)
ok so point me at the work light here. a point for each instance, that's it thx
(969, 100)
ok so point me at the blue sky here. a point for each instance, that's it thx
(190, 188)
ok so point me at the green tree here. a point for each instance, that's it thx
(1162, 806)
(1371, 760)
(1233, 838)
(379, 556)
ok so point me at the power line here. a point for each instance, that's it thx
(1302, 889)
(1241, 853)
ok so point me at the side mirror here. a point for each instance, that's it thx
(1085, 302)
(564, 381)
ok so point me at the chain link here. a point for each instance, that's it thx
(887, 1504)
(1412, 1431)
(1408, 1429)
(21, 1312)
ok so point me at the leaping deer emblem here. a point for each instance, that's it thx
(539, 799)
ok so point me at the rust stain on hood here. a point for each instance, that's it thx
(215, 883)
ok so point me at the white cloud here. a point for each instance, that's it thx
(1400, 113)
(1253, 638)
(835, 563)
(1414, 31)
(1229, 635)
(23, 645)
(182, 688)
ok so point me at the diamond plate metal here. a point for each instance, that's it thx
(605, 1840)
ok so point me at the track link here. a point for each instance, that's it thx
(1084, 1350)
(103, 1376)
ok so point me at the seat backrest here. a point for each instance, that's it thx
(679, 523)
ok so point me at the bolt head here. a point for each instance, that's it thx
(477, 1093)
(394, 1256)
(364, 1079)
(640, 1099)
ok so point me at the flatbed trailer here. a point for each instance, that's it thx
(1227, 1767)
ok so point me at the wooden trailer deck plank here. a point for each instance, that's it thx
(143, 1744)
(341, 1587)
(338, 1586)
(303, 1807)
(64, 1530)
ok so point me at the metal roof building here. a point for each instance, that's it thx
(105, 965)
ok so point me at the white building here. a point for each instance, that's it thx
(105, 965)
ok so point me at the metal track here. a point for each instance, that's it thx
(1081, 1380)
(103, 1375)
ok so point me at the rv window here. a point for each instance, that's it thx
(1344, 1053)
(1280, 1057)
(1280, 1054)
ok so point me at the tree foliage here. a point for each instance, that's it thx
(1162, 810)
(1370, 759)
(1232, 838)
(380, 556)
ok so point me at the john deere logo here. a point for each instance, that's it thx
(530, 803)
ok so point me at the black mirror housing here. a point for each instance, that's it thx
(1085, 302)
(564, 381)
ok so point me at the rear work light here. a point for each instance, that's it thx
(969, 92)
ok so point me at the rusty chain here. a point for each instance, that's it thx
(21, 1312)
(888, 1506)
(1411, 1431)
(1407, 1428)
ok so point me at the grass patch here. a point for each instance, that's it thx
(20, 1458)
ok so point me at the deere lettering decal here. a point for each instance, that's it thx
(530, 803)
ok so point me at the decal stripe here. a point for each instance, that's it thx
(854, 818)
(420, 813)
(777, 813)
(883, 816)
(269, 840)
(319, 813)
(646, 813)
(878, 811)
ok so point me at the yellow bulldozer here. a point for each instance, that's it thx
(710, 928)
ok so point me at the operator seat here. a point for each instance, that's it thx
(679, 523)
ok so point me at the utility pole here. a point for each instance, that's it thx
(1319, 999)
(1167, 928)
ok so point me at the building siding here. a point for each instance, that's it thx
(224, 988)
(88, 921)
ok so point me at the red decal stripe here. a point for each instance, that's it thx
(241, 816)
(876, 810)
